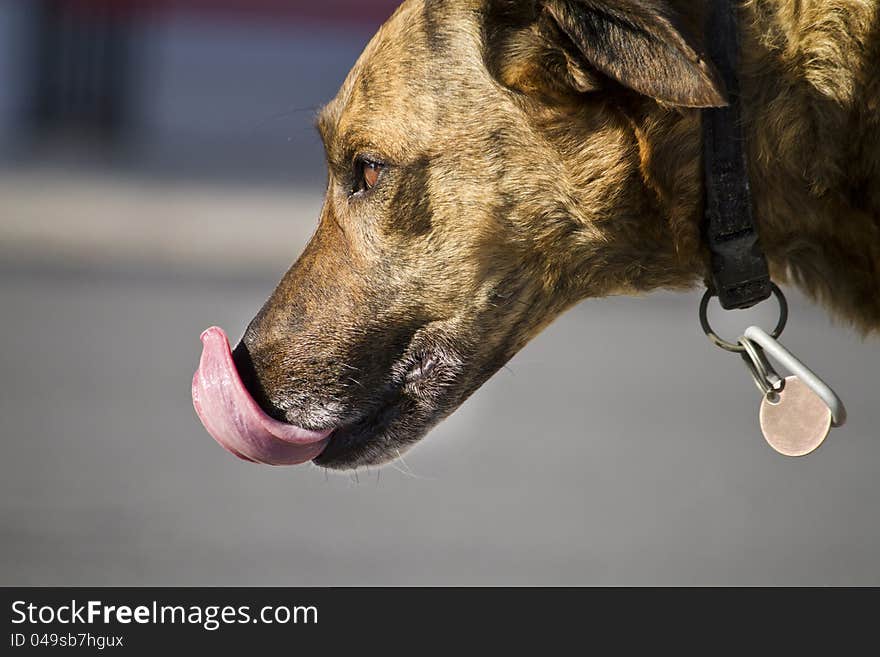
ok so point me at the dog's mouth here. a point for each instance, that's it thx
(236, 421)
(241, 426)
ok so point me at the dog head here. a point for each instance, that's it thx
(487, 169)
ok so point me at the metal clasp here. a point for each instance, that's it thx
(760, 341)
(766, 378)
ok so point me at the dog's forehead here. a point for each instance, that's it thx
(396, 79)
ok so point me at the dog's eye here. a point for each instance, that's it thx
(367, 174)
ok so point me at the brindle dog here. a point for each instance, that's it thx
(493, 162)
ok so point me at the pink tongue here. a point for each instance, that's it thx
(235, 420)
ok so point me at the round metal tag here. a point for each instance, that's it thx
(798, 422)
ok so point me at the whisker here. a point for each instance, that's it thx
(408, 471)
(402, 460)
(403, 472)
(283, 114)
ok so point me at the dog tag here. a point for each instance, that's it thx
(797, 422)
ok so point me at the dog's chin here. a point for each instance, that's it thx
(385, 434)
(404, 417)
(425, 388)
(379, 438)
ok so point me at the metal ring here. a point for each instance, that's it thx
(733, 347)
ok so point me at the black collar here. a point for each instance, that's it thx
(740, 276)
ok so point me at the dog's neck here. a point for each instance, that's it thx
(813, 143)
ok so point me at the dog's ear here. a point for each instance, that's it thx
(557, 48)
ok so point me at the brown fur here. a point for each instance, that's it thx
(539, 152)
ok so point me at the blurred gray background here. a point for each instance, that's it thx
(145, 201)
